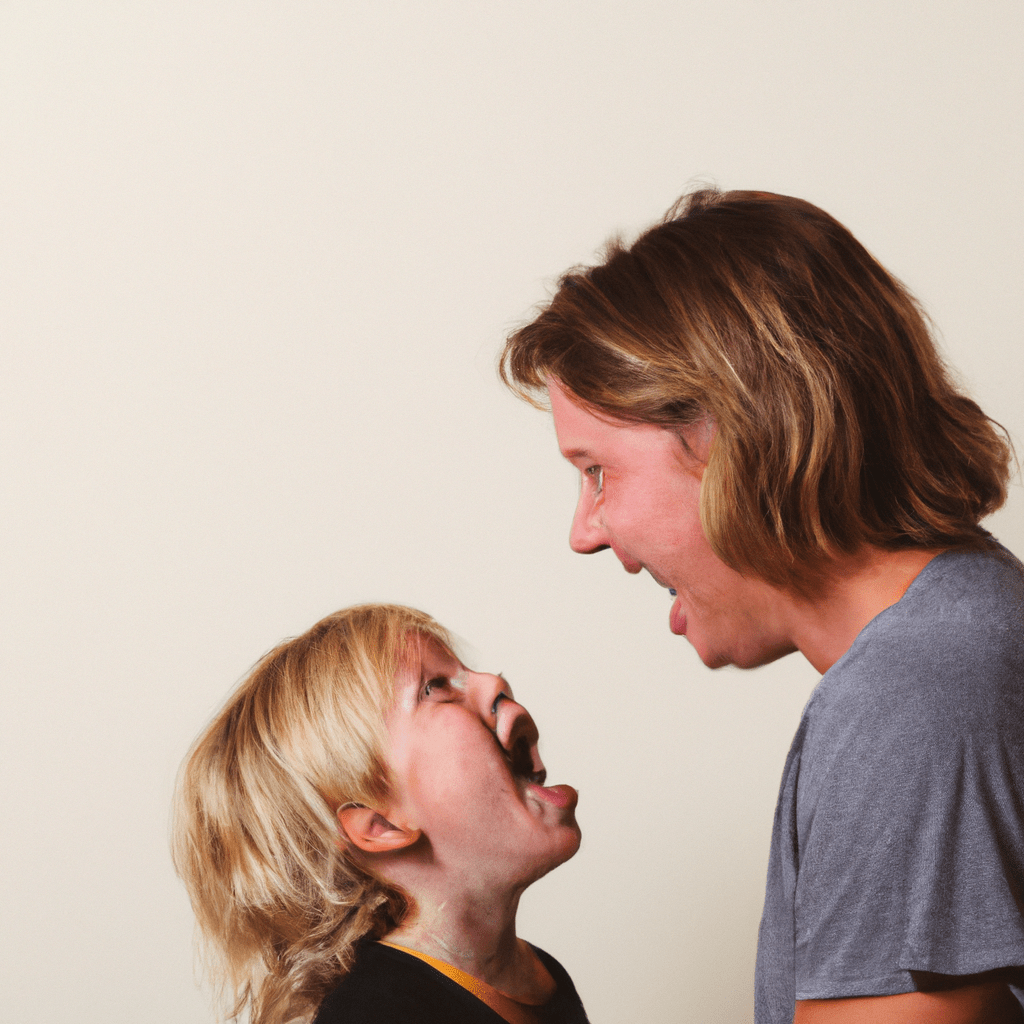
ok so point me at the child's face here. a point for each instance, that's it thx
(466, 771)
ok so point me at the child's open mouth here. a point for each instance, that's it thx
(520, 761)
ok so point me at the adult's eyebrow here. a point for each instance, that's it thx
(576, 453)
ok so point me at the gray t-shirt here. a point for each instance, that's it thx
(898, 842)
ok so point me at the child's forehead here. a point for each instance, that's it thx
(423, 650)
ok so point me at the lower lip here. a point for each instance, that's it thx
(559, 796)
(677, 618)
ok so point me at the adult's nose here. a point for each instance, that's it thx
(587, 534)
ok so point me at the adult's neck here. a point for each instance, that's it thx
(858, 588)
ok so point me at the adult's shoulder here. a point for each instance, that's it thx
(982, 586)
(942, 666)
(957, 632)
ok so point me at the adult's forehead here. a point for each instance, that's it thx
(573, 413)
(585, 432)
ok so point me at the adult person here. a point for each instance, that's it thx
(761, 420)
(355, 829)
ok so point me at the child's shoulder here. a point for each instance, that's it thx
(387, 986)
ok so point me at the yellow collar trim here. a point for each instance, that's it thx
(505, 1006)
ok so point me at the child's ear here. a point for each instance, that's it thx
(372, 832)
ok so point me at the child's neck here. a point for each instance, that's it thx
(477, 936)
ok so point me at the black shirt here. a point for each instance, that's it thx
(387, 986)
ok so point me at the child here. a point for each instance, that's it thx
(357, 825)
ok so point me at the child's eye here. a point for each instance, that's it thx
(435, 686)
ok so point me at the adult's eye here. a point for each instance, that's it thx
(596, 474)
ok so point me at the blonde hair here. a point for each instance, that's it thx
(837, 423)
(276, 893)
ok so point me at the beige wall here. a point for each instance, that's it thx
(257, 260)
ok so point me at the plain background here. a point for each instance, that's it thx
(258, 259)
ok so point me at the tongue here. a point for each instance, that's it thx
(560, 796)
(677, 618)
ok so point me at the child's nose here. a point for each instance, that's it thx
(505, 716)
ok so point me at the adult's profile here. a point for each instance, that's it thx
(762, 421)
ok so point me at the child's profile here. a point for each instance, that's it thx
(355, 829)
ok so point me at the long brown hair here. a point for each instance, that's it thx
(278, 899)
(837, 423)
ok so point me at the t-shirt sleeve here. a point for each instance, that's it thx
(910, 819)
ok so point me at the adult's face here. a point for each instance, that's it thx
(640, 496)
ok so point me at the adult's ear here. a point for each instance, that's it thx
(372, 832)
